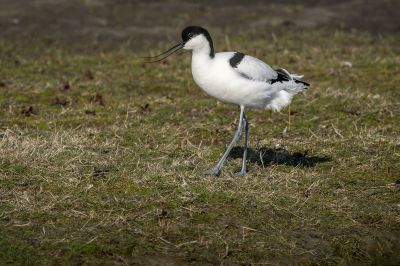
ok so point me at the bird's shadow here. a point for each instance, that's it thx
(267, 156)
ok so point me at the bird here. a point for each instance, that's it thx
(236, 78)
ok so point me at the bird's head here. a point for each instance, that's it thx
(193, 38)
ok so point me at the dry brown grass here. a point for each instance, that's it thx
(119, 180)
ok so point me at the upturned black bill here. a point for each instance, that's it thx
(165, 54)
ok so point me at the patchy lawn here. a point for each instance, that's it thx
(101, 158)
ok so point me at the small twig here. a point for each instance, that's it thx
(312, 133)
(262, 160)
(337, 131)
(186, 243)
(21, 225)
(90, 241)
(164, 240)
(250, 229)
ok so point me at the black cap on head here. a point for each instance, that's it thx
(192, 31)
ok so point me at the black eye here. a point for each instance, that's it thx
(190, 35)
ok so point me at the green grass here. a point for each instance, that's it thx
(101, 158)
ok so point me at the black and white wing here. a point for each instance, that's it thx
(252, 68)
(255, 69)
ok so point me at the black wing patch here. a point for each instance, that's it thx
(282, 76)
(236, 59)
(302, 82)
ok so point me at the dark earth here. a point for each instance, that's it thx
(114, 24)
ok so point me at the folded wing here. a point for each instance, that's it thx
(252, 68)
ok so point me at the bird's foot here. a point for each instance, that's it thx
(241, 173)
(213, 171)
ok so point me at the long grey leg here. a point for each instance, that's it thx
(246, 141)
(216, 170)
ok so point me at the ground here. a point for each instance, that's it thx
(101, 156)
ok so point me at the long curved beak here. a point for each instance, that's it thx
(170, 51)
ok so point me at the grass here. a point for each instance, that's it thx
(101, 158)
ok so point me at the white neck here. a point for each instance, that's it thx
(203, 50)
(200, 45)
